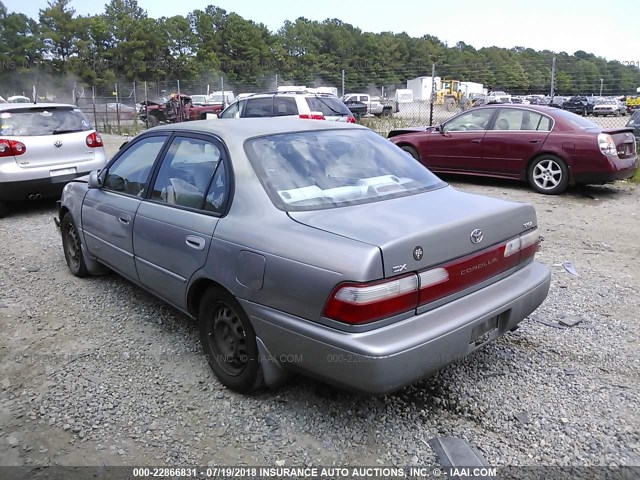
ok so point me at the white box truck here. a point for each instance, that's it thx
(422, 87)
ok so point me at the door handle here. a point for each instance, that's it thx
(534, 141)
(124, 219)
(195, 242)
(476, 140)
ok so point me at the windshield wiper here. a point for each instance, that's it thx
(60, 132)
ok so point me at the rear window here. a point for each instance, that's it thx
(29, 122)
(576, 120)
(329, 106)
(332, 168)
(635, 120)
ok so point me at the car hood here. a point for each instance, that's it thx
(439, 222)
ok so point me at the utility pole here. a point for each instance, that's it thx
(553, 78)
(276, 81)
(601, 83)
(343, 82)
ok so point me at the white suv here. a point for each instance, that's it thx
(42, 147)
(317, 106)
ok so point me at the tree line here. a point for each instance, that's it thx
(123, 44)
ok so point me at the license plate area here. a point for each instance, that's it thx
(62, 172)
(486, 331)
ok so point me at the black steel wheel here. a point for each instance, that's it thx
(72, 247)
(229, 342)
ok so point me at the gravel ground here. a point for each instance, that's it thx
(97, 372)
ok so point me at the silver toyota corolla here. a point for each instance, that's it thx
(43, 146)
(307, 246)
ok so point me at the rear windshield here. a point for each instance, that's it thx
(576, 120)
(332, 168)
(34, 121)
(329, 106)
(634, 121)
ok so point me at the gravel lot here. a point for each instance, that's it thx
(97, 372)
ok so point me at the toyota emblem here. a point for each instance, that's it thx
(476, 236)
(57, 144)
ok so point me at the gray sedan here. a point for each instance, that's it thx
(307, 246)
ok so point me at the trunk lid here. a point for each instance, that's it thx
(624, 140)
(425, 230)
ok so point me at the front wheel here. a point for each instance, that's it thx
(153, 121)
(548, 175)
(229, 342)
(72, 247)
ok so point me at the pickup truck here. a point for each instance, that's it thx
(375, 105)
(175, 109)
(579, 105)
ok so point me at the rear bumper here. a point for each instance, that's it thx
(44, 187)
(388, 358)
(618, 170)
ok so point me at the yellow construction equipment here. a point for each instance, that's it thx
(449, 94)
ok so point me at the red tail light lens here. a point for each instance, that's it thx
(312, 116)
(94, 140)
(351, 119)
(10, 148)
(467, 271)
(358, 303)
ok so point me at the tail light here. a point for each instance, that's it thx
(313, 116)
(10, 148)
(606, 144)
(351, 119)
(359, 303)
(94, 140)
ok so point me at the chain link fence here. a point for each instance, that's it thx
(410, 102)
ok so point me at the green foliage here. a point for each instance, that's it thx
(124, 44)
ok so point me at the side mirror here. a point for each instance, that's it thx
(94, 179)
(439, 128)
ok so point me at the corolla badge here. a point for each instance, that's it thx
(476, 236)
(57, 144)
(418, 253)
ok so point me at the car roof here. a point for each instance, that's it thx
(242, 128)
(22, 106)
(539, 108)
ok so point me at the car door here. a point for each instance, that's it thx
(457, 145)
(108, 212)
(517, 134)
(174, 225)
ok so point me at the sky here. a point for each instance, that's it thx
(605, 28)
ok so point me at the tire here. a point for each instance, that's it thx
(411, 151)
(4, 209)
(229, 341)
(386, 112)
(450, 104)
(153, 121)
(548, 175)
(72, 247)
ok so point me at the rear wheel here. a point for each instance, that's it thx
(548, 174)
(72, 247)
(450, 104)
(229, 342)
(411, 151)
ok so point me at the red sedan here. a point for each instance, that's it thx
(548, 147)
